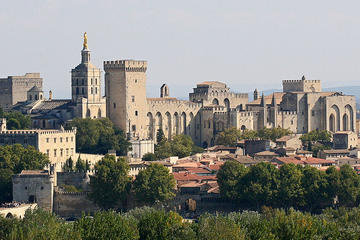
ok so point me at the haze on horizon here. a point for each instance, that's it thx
(246, 44)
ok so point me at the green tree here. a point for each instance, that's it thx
(228, 178)
(181, 146)
(228, 137)
(111, 183)
(13, 124)
(160, 136)
(17, 120)
(261, 184)
(290, 192)
(273, 133)
(97, 136)
(315, 187)
(149, 157)
(14, 159)
(218, 227)
(81, 165)
(106, 225)
(349, 190)
(68, 165)
(155, 183)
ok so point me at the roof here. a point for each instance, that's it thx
(188, 165)
(332, 151)
(284, 138)
(287, 160)
(268, 99)
(34, 172)
(212, 83)
(303, 151)
(303, 160)
(219, 147)
(185, 176)
(163, 99)
(266, 153)
(35, 89)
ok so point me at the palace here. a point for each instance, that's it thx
(212, 107)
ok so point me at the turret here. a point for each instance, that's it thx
(164, 91)
(256, 94)
(262, 103)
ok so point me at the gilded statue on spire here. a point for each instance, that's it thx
(85, 41)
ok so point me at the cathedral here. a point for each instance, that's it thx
(86, 98)
(301, 107)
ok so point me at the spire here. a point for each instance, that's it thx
(85, 53)
(273, 101)
(85, 44)
(262, 103)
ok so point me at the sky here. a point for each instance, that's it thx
(246, 44)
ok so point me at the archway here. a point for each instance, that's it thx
(332, 123)
(168, 128)
(345, 122)
(158, 122)
(215, 101)
(191, 125)
(176, 123)
(227, 103)
(243, 128)
(99, 113)
(150, 124)
(32, 199)
(336, 110)
(205, 144)
(184, 124)
(9, 215)
(349, 111)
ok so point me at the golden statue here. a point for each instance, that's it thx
(85, 41)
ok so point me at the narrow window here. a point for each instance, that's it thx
(133, 98)
(54, 152)
(136, 113)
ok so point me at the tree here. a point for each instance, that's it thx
(149, 157)
(81, 166)
(97, 136)
(229, 137)
(107, 225)
(16, 120)
(291, 192)
(14, 159)
(349, 190)
(111, 182)
(13, 124)
(181, 146)
(68, 166)
(273, 133)
(160, 136)
(315, 187)
(261, 184)
(155, 183)
(228, 178)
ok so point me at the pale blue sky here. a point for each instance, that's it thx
(245, 44)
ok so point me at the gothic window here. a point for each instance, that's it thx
(83, 91)
(92, 91)
(92, 82)
(114, 105)
(95, 81)
(77, 90)
(96, 90)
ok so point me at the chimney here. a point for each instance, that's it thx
(50, 95)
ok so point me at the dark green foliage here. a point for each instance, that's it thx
(107, 225)
(160, 136)
(179, 145)
(305, 188)
(155, 183)
(97, 136)
(231, 136)
(81, 166)
(148, 224)
(111, 183)
(160, 225)
(68, 165)
(14, 159)
(149, 157)
(16, 120)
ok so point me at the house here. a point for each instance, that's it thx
(265, 156)
(304, 153)
(303, 161)
(333, 153)
(292, 141)
(345, 140)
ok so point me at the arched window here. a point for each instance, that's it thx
(96, 90)
(215, 101)
(36, 97)
(77, 90)
(92, 91)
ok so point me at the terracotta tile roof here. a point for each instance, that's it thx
(185, 176)
(303, 160)
(313, 160)
(197, 170)
(266, 153)
(191, 164)
(332, 151)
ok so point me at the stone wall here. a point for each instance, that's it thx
(79, 180)
(73, 204)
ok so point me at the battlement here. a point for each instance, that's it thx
(220, 94)
(302, 85)
(59, 192)
(126, 65)
(214, 108)
(287, 113)
(36, 131)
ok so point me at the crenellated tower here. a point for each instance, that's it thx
(125, 88)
